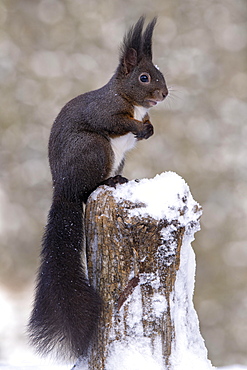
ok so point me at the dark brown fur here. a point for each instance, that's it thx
(67, 308)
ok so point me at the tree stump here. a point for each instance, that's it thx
(134, 235)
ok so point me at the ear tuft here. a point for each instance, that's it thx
(131, 47)
(147, 39)
(136, 45)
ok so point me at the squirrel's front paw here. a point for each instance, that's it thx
(146, 132)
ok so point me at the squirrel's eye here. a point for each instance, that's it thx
(145, 78)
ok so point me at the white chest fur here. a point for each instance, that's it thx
(140, 112)
(122, 144)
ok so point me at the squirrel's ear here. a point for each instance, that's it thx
(130, 60)
(131, 50)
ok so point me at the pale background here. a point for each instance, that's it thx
(51, 51)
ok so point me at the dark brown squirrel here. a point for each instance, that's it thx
(87, 145)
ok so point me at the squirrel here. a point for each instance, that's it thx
(87, 146)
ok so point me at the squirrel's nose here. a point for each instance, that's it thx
(165, 93)
(161, 94)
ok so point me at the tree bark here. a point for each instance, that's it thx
(133, 259)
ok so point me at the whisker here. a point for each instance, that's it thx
(173, 101)
(173, 96)
(168, 102)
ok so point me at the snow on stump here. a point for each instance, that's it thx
(141, 261)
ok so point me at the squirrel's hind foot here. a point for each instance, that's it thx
(113, 181)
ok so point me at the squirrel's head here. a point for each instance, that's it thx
(140, 81)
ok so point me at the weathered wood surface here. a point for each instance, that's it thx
(133, 261)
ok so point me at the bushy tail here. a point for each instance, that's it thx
(66, 308)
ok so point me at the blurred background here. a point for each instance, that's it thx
(53, 50)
